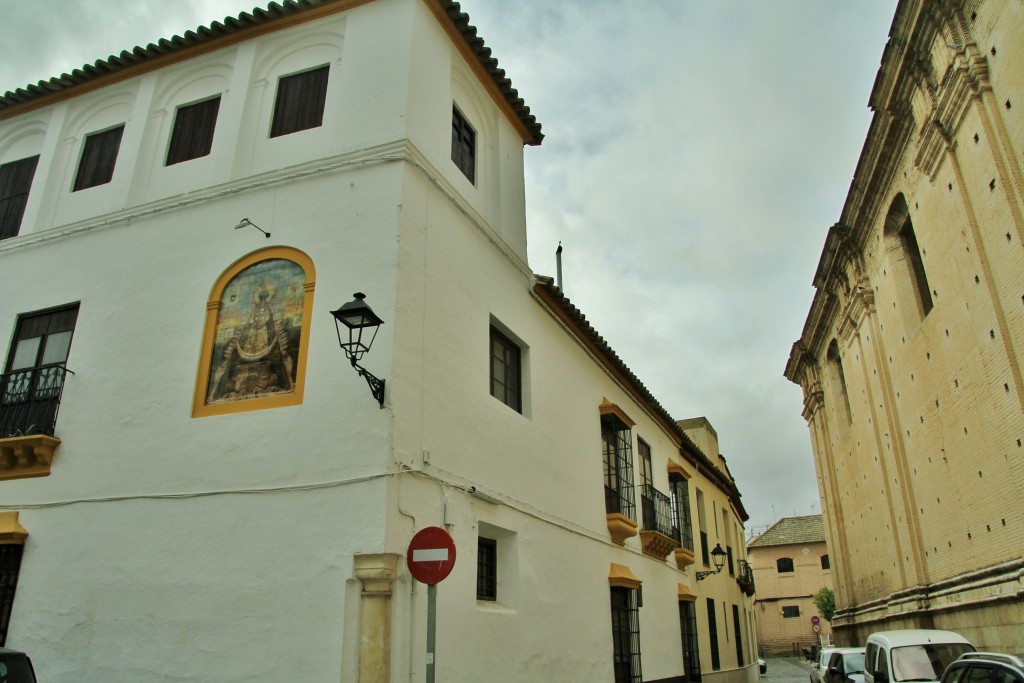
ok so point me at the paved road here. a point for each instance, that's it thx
(787, 670)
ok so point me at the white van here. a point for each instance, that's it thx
(911, 655)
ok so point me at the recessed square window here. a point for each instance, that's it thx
(99, 154)
(300, 102)
(791, 611)
(463, 145)
(192, 136)
(506, 371)
(486, 569)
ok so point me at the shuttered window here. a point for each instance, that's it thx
(10, 565)
(192, 136)
(15, 182)
(300, 102)
(463, 145)
(96, 166)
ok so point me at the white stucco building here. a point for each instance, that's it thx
(219, 497)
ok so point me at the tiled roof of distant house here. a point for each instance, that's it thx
(792, 531)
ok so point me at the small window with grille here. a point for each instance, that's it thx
(486, 569)
(790, 611)
(626, 635)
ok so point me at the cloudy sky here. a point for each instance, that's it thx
(695, 155)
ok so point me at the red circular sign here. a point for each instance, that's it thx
(815, 619)
(431, 555)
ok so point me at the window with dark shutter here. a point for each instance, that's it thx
(192, 136)
(463, 145)
(96, 167)
(15, 182)
(300, 102)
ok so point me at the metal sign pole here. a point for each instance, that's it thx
(431, 629)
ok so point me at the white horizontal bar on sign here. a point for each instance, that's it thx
(430, 555)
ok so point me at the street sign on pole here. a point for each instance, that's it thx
(815, 620)
(431, 557)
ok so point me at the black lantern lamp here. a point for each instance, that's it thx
(361, 321)
(718, 558)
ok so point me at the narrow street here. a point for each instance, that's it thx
(788, 670)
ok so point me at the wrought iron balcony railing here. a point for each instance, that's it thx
(657, 512)
(29, 400)
(745, 577)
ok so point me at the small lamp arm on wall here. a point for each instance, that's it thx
(360, 322)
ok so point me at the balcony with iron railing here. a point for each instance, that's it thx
(29, 400)
(745, 577)
(659, 536)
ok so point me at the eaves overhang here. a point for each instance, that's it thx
(248, 25)
(573, 319)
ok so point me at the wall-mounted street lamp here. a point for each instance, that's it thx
(245, 222)
(718, 558)
(358, 317)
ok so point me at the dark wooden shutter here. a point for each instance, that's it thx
(300, 102)
(15, 182)
(98, 158)
(192, 136)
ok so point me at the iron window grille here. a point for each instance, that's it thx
(486, 569)
(506, 371)
(300, 102)
(626, 635)
(790, 611)
(15, 183)
(30, 389)
(691, 645)
(192, 136)
(463, 145)
(745, 577)
(617, 440)
(99, 154)
(680, 492)
(716, 662)
(10, 565)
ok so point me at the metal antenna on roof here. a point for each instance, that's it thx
(558, 265)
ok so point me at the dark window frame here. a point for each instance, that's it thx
(738, 635)
(506, 371)
(15, 184)
(691, 644)
(463, 144)
(30, 388)
(626, 655)
(679, 488)
(486, 569)
(784, 565)
(790, 611)
(10, 568)
(617, 456)
(716, 660)
(826, 562)
(193, 130)
(300, 101)
(99, 158)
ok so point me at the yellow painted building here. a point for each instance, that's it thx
(791, 563)
(910, 357)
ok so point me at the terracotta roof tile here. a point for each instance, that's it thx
(792, 531)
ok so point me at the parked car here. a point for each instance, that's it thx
(987, 667)
(911, 655)
(845, 665)
(15, 667)
(821, 664)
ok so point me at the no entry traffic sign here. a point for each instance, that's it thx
(431, 555)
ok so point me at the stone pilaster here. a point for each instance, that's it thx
(377, 574)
